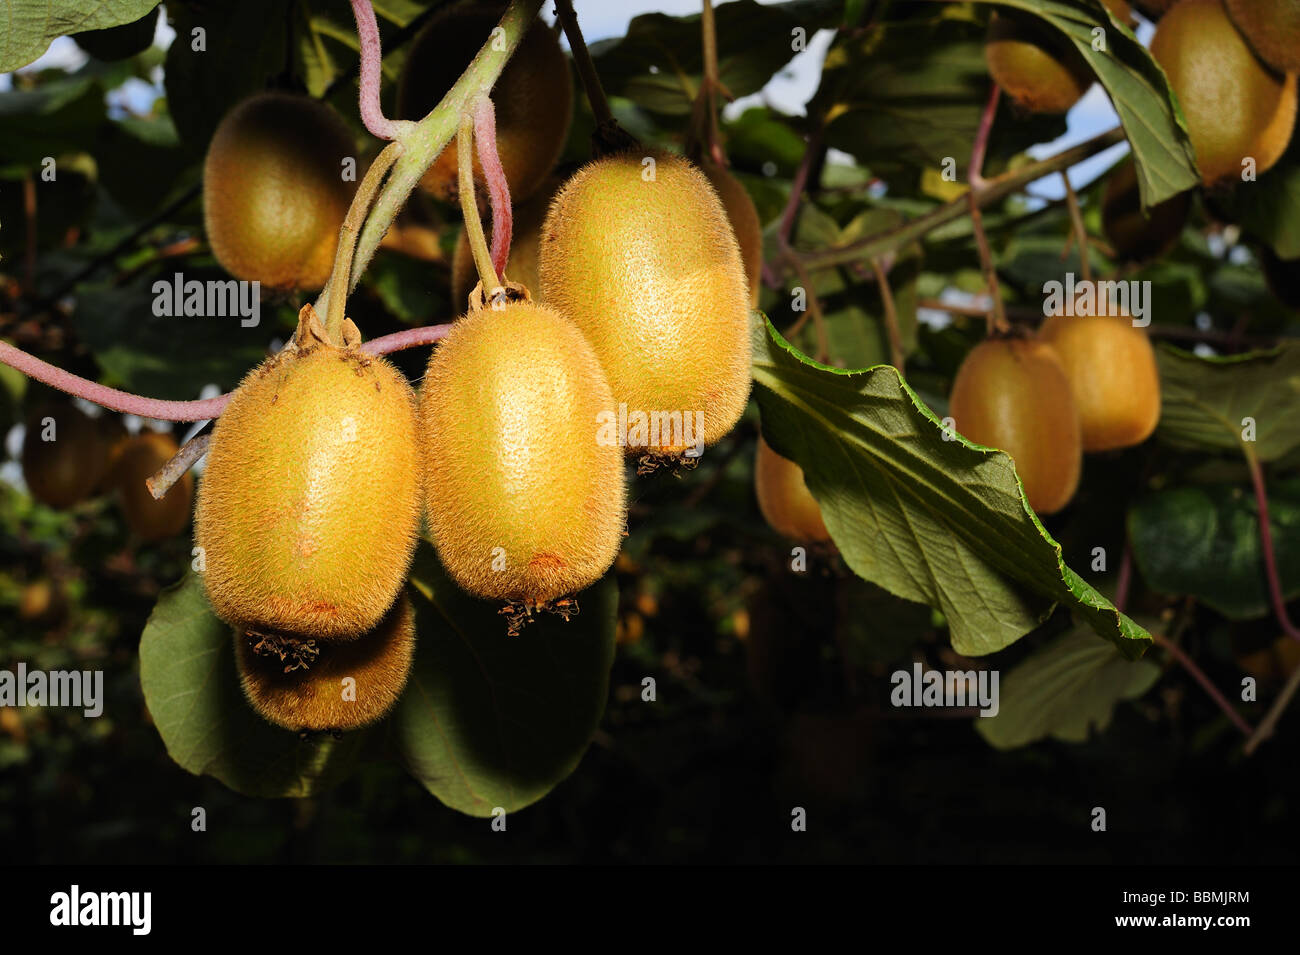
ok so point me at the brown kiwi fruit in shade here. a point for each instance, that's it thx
(274, 197)
(310, 501)
(1272, 27)
(1013, 394)
(152, 518)
(1282, 276)
(1113, 376)
(113, 433)
(533, 98)
(42, 602)
(66, 469)
(1234, 105)
(1154, 9)
(525, 242)
(1136, 237)
(299, 684)
(525, 501)
(650, 271)
(743, 216)
(783, 496)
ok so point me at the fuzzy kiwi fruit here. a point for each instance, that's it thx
(64, 455)
(1134, 236)
(526, 502)
(299, 685)
(1272, 28)
(309, 505)
(783, 496)
(150, 518)
(524, 245)
(1235, 106)
(743, 216)
(533, 97)
(1113, 376)
(1013, 394)
(274, 197)
(638, 252)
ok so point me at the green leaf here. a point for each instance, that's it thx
(1204, 400)
(491, 720)
(31, 25)
(939, 522)
(1065, 690)
(1269, 208)
(61, 116)
(191, 686)
(1204, 541)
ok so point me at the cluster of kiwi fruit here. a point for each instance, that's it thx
(624, 287)
(68, 457)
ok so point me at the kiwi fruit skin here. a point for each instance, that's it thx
(311, 699)
(149, 518)
(651, 273)
(1113, 376)
(310, 501)
(525, 244)
(66, 470)
(524, 504)
(533, 97)
(1134, 236)
(1234, 105)
(1013, 394)
(784, 499)
(1272, 27)
(1037, 69)
(274, 197)
(743, 216)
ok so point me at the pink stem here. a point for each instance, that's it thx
(1175, 651)
(128, 403)
(976, 174)
(1266, 544)
(1125, 576)
(372, 113)
(485, 138)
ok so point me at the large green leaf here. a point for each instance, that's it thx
(1270, 207)
(1065, 690)
(493, 720)
(1204, 541)
(30, 25)
(1205, 399)
(943, 522)
(191, 686)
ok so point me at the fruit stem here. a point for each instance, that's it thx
(814, 310)
(712, 84)
(180, 462)
(1076, 221)
(485, 143)
(996, 317)
(582, 60)
(335, 296)
(1179, 654)
(372, 57)
(487, 272)
(891, 315)
(980, 147)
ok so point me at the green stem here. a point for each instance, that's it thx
(487, 272)
(582, 60)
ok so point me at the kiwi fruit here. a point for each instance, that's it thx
(1272, 27)
(1234, 105)
(113, 434)
(1113, 376)
(743, 216)
(1013, 394)
(533, 97)
(524, 244)
(638, 252)
(42, 603)
(274, 197)
(309, 505)
(150, 518)
(1136, 237)
(783, 496)
(67, 468)
(526, 503)
(1154, 9)
(300, 686)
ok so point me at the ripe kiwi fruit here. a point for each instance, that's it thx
(533, 97)
(310, 502)
(141, 458)
(650, 270)
(1272, 27)
(524, 244)
(1013, 394)
(274, 197)
(67, 469)
(1235, 106)
(304, 691)
(783, 496)
(524, 503)
(1113, 376)
(1134, 236)
(743, 216)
